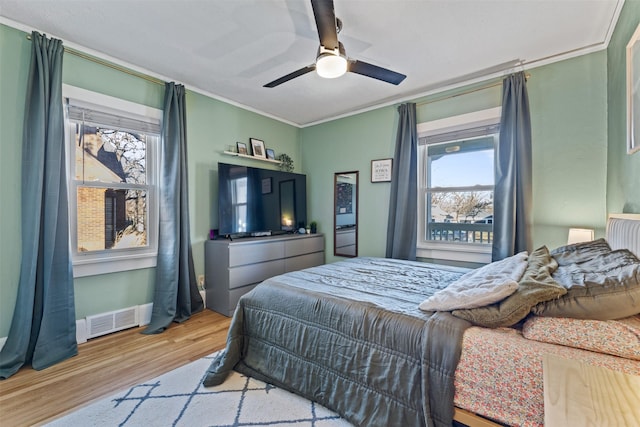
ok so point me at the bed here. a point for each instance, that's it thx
(351, 336)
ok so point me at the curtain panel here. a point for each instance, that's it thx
(513, 188)
(402, 227)
(43, 328)
(176, 294)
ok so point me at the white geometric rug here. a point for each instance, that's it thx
(178, 398)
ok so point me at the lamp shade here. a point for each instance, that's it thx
(577, 235)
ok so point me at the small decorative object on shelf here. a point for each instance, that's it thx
(242, 148)
(286, 163)
(314, 227)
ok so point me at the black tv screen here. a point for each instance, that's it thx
(253, 200)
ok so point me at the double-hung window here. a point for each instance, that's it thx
(113, 148)
(456, 182)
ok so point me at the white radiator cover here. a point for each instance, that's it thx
(113, 321)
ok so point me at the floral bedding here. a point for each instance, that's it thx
(616, 337)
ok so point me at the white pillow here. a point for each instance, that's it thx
(480, 287)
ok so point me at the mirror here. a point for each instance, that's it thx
(345, 218)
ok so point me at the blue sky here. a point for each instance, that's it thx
(463, 169)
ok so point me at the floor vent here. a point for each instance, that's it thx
(105, 323)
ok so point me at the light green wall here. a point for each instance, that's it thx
(212, 125)
(623, 170)
(569, 134)
(568, 115)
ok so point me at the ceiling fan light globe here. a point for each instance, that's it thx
(330, 66)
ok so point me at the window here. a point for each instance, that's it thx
(113, 161)
(456, 173)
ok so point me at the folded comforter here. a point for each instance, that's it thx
(350, 336)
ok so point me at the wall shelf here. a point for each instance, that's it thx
(246, 156)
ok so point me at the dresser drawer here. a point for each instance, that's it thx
(304, 261)
(254, 273)
(303, 246)
(243, 254)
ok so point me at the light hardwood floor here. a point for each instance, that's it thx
(105, 365)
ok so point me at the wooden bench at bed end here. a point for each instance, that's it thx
(579, 394)
(472, 420)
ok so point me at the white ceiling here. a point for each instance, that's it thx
(230, 48)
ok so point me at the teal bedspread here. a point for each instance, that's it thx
(350, 336)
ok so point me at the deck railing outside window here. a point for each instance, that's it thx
(461, 232)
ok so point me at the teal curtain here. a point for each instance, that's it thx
(43, 328)
(513, 189)
(176, 294)
(402, 224)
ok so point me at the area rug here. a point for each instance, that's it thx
(178, 398)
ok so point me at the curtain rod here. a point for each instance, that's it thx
(466, 92)
(109, 64)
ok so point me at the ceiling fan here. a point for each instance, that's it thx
(331, 60)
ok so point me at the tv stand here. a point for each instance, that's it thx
(234, 267)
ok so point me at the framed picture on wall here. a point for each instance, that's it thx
(258, 148)
(633, 92)
(381, 170)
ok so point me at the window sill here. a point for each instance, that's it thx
(473, 253)
(96, 266)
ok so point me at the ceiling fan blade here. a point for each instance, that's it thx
(291, 76)
(373, 71)
(326, 22)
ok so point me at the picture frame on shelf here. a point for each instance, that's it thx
(270, 154)
(242, 148)
(257, 146)
(633, 92)
(381, 170)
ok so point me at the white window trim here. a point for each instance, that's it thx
(90, 264)
(467, 252)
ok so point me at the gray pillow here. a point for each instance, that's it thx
(536, 285)
(606, 287)
(580, 252)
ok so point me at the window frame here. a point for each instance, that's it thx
(463, 252)
(113, 260)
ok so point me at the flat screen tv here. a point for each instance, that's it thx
(254, 201)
